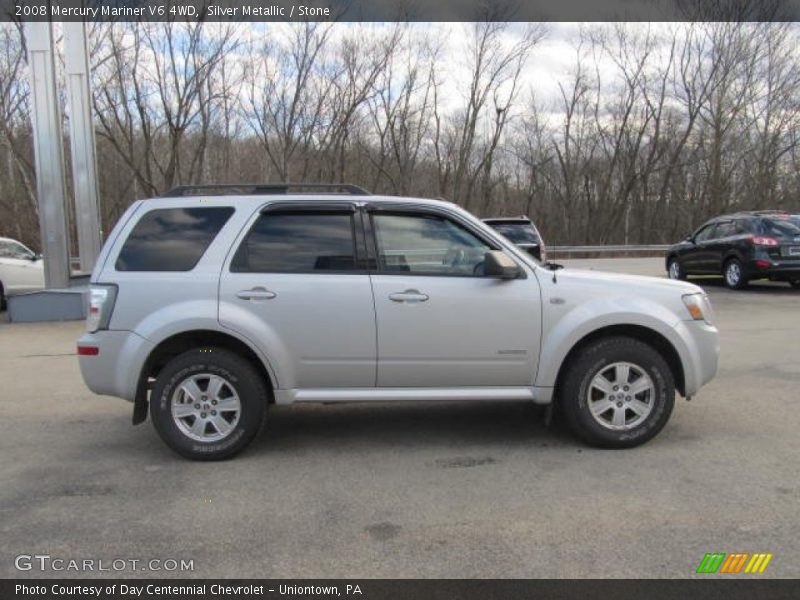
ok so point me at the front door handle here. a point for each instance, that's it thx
(257, 293)
(408, 296)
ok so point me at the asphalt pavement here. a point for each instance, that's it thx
(455, 490)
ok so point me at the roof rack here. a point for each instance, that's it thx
(261, 189)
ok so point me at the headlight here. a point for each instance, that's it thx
(698, 306)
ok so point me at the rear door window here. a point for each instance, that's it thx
(725, 229)
(171, 239)
(300, 242)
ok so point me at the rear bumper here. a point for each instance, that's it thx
(768, 267)
(115, 369)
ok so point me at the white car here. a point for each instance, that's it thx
(21, 269)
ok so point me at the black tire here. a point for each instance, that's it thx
(243, 379)
(730, 269)
(595, 359)
(675, 269)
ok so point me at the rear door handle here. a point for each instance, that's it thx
(408, 296)
(257, 293)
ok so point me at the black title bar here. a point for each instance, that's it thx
(402, 589)
(399, 10)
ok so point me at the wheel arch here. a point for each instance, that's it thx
(672, 255)
(731, 254)
(179, 343)
(644, 334)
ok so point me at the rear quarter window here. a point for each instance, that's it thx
(519, 233)
(782, 228)
(171, 239)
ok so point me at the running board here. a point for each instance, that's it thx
(537, 395)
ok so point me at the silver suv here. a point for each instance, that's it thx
(210, 303)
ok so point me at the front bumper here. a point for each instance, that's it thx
(701, 346)
(115, 369)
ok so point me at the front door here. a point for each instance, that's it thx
(20, 270)
(296, 288)
(697, 259)
(441, 322)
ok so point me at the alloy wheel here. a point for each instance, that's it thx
(206, 407)
(621, 396)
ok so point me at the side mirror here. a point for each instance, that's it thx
(498, 264)
(34, 257)
(689, 238)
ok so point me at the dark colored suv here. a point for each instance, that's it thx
(522, 232)
(741, 247)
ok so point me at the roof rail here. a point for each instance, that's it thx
(260, 189)
(763, 211)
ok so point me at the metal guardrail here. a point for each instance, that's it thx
(608, 249)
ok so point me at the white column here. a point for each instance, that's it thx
(82, 144)
(49, 154)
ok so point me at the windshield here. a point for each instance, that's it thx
(519, 233)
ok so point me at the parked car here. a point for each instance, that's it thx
(205, 308)
(522, 232)
(741, 247)
(21, 269)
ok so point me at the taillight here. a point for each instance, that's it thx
(761, 240)
(101, 304)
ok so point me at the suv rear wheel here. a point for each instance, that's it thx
(734, 274)
(208, 404)
(618, 392)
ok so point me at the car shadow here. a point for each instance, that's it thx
(408, 424)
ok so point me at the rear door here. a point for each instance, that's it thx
(296, 286)
(441, 323)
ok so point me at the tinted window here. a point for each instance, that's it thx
(426, 244)
(726, 229)
(519, 233)
(705, 233)
(779, 228)
(298, 242)
(172, 239)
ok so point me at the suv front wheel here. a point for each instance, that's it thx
(618, 392)
(675, 270)
(208, 404)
